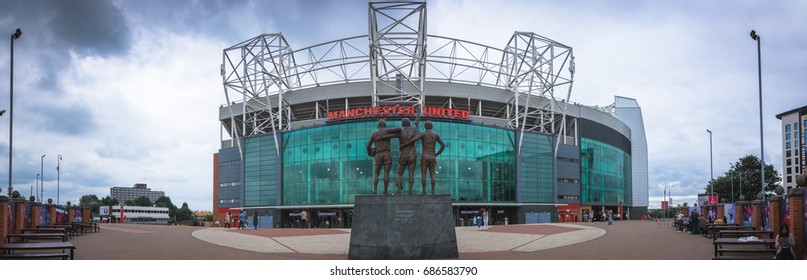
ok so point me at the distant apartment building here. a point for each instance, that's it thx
(125, 193)
(794, 126)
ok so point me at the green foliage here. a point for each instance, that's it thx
(744, 177)
(91, 201)
(184, 214)
(142, 201)
(109, 201)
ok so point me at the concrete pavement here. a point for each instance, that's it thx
(624, 240)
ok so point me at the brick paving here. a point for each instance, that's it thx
(625, 240)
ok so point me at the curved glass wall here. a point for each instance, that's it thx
(605, 173)
(329, 164)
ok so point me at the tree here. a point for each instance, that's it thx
(142, 201)
(185, 214)
(109, 201)
(744, 176)
(165, 201)
(91, 201)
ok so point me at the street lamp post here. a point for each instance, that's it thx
(42, 171)
(14, 36)
(757, 38)
(37, 186)
(711, 165)
(58, 176)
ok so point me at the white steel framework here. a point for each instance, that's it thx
(258, 72)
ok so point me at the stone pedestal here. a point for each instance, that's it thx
(402, 227)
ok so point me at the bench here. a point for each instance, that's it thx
(63, 256)
(714, 229)
(9, 249)
(24, 237)
(744, 257)
(741, 233)
(762, 248)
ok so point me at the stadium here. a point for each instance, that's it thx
(296, 122)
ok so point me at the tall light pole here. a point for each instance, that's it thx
(14, 36)
(37, 186)
(58, 176)
(757, 38)
(42, 171)
(711, 165)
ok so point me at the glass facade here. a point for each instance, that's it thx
(260, 171)
(329, 164)
(605, 174)
(536, 169)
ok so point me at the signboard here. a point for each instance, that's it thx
(398, 111)
(712, 200)
(665, 205)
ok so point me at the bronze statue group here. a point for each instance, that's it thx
(407, 136)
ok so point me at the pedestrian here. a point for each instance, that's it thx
(506, 221)
(242, 220)
(485, 218)
(784, 244)
(304, 219)
(478, 222)
(610, 219)
(255, 219)
(694, 221)
(227, 219)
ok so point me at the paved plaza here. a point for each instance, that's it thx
(625, 240)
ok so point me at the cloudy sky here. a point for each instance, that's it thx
(128, 91)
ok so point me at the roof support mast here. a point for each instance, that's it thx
(397, 52)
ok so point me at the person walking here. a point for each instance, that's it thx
(485, 218)
(227, 219)
(304, 219)
(242, 220)
(255, 219)
(610, 219)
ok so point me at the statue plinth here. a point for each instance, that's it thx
(402, 227)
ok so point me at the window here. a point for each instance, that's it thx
(789, 162)
(789, 171)
(789, 179)
(787, 128)
(787, 145)
(788, 153)
(787, 136)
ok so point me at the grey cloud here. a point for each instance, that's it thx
(70, 120)
(90, 27)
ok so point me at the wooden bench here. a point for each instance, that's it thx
(741, 233)
(24, 237)
(757, 249)
(11, 248)
(63, 256)
(744, 257)
(714, 229)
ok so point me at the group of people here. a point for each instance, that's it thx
(407, 136)
(481, 221)
(242, 220)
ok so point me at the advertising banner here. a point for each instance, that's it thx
(665, 205)
(729, 213)
(766, 215)
(78, 216)
(27, 215)
(711, 213)
(61, 215)
(784, 211)
(44, 215)
(748, 213)
(712, 200)
(10, 215)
